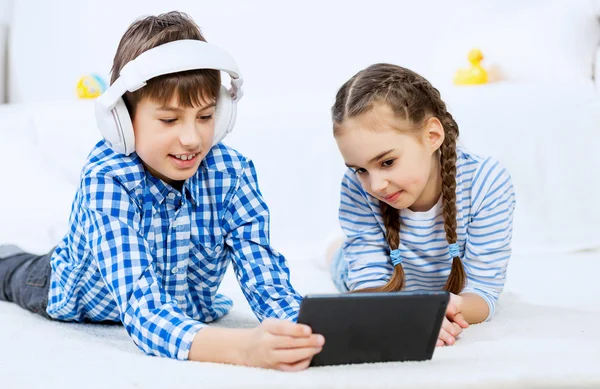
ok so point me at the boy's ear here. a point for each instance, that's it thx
(434, 134)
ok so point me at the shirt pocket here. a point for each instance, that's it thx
(207, 263)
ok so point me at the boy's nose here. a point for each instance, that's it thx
(190, 137)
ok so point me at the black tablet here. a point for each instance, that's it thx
(375, 327)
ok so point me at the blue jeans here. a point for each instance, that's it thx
(339, 271)
(25, 278)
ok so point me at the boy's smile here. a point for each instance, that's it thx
(184, 161)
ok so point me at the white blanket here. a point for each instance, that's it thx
(545, 334)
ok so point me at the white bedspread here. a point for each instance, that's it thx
(545, 335)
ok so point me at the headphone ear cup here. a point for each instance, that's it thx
(225, 115)
(116, 127)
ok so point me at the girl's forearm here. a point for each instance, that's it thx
(474, 308)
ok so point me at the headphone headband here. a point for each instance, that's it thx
(172, 57)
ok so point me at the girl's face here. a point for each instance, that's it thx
(395, 162)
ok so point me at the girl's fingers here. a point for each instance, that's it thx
(447, 326)
(457, 330)
(446, 337)
(460, 320)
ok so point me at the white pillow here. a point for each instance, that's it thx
(544, 136)
(537, 40)
(66, 132)
(35, 199)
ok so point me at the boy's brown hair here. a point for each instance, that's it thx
(192, 88)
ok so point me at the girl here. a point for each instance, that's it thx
(419, 213)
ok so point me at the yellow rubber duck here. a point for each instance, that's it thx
(474, 75)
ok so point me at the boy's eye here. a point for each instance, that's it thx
(168, 121)
(206, 117)
(360, 170)
(388, 163)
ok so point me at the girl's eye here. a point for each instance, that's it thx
(388, 163)
(360, 171)
(205, 118)
(168, 121)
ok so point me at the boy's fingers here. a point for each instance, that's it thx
(292, 356)
(290, 342)
(283, 327)
(295, 366)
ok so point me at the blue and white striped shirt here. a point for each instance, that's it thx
(143, 253)
(485, 202)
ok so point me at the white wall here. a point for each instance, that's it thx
(5, 11)
(294, 56)
(320, 43)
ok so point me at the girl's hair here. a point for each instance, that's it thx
(414, 99)
(192, 87)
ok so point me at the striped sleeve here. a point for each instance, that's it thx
(365, 248)
(489, 232)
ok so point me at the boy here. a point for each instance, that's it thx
(152, 232)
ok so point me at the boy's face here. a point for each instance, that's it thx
(171, 139)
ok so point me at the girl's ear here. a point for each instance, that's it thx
(433, 134)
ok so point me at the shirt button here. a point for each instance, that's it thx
(174, 270)
(218, 249)
(171, 196)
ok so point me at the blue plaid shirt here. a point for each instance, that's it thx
(143, 253)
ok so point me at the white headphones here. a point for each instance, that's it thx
(177, 56)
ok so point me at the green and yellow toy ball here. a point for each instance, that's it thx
(90, 86)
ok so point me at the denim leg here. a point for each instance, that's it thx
(25, 278)
(339, 271)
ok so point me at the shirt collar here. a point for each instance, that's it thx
(160, 189)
